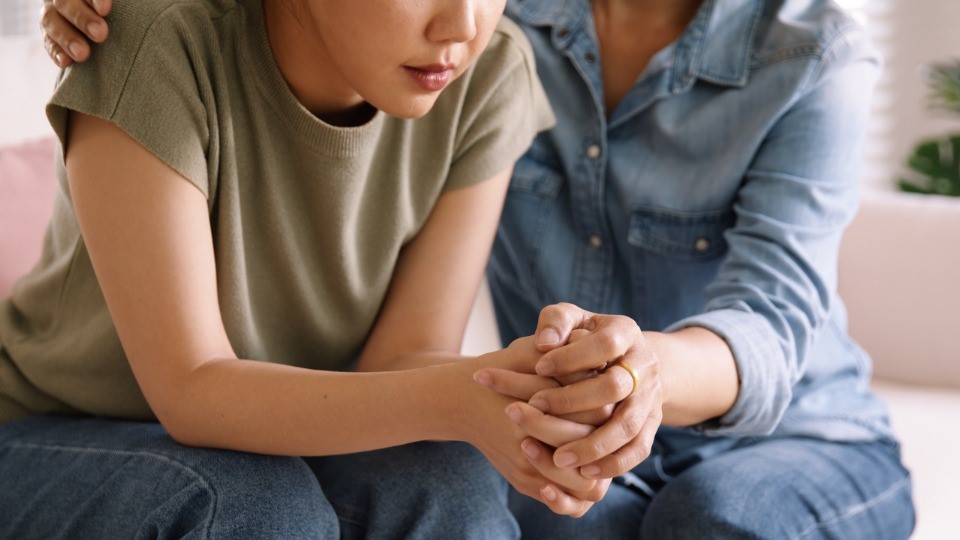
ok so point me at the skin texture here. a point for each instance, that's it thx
(337, 56)
(593, 424)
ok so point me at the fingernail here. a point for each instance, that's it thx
(546, 367)
(483, 378)
(94, 29)
(548, 336)
(549, 494)
(59, 58)
(538, 402)
(590, 470)
(74, 49)
(96, 6)
(565, 459)
(530, 450)
(514, 413)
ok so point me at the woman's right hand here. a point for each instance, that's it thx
(68, 24)
(524, 461)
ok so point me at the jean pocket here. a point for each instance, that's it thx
(682, 235)
(674, 257)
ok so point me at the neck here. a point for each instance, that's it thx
(307, 68)
(654, 12)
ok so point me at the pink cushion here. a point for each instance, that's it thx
(27, 188)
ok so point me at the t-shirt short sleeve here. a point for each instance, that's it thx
(504, 109)
(148, 80)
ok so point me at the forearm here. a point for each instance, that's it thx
(275, 409)
(405, 361)
(698, 374)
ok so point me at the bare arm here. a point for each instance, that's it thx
(148, 234)
(164, 304)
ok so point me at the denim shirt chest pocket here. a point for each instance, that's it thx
(528, 213)
(674, 256)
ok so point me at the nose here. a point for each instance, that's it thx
(454, 21)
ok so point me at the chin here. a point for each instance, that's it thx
(410, 108)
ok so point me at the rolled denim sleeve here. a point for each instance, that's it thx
(777, 285)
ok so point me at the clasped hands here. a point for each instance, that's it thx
(586, 421)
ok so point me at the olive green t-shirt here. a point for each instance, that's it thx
(308, 219)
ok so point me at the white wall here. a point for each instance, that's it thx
(909, 33)
(27, 76)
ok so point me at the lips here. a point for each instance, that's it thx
(433, 77)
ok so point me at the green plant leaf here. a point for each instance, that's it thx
(936, 167)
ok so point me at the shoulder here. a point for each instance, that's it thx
(808, 29)
(508, 49)
(149, 79)
(133, 22)
(171, 33)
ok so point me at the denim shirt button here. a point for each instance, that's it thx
(701, 245)
(593, 152)
(590, 58)
(595, 241)
(563, 32)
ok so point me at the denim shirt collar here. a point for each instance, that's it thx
(716, 46)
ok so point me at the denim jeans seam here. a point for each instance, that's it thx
(856, 509)
(91, 450)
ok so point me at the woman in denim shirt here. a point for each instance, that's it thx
(695, 187)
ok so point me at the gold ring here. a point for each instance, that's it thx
(632, 372)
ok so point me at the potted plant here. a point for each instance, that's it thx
(935, 163)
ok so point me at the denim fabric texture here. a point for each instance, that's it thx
(95, 478)
(763, 488)
(715, 195)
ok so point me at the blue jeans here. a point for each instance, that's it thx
(92, 478)
(758, 488)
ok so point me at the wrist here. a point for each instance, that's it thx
(698, 375)
(455, 398)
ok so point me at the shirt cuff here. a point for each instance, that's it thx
(765, 389)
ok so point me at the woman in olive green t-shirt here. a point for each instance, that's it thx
(256, 200)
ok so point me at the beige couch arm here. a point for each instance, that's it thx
(900, 279)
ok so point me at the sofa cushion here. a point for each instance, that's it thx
(27, 188)
(900, 279)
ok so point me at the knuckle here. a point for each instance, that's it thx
(606, 412)
(594, 450)
(46, 16)
(642, 453)
(631, 424)
(562, 401)
(621, 464)
(581, 510)
(594, 495)
(616, 385)
(609, 342)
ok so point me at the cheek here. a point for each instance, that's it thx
(487, 17)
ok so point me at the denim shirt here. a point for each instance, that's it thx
(714, 195)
